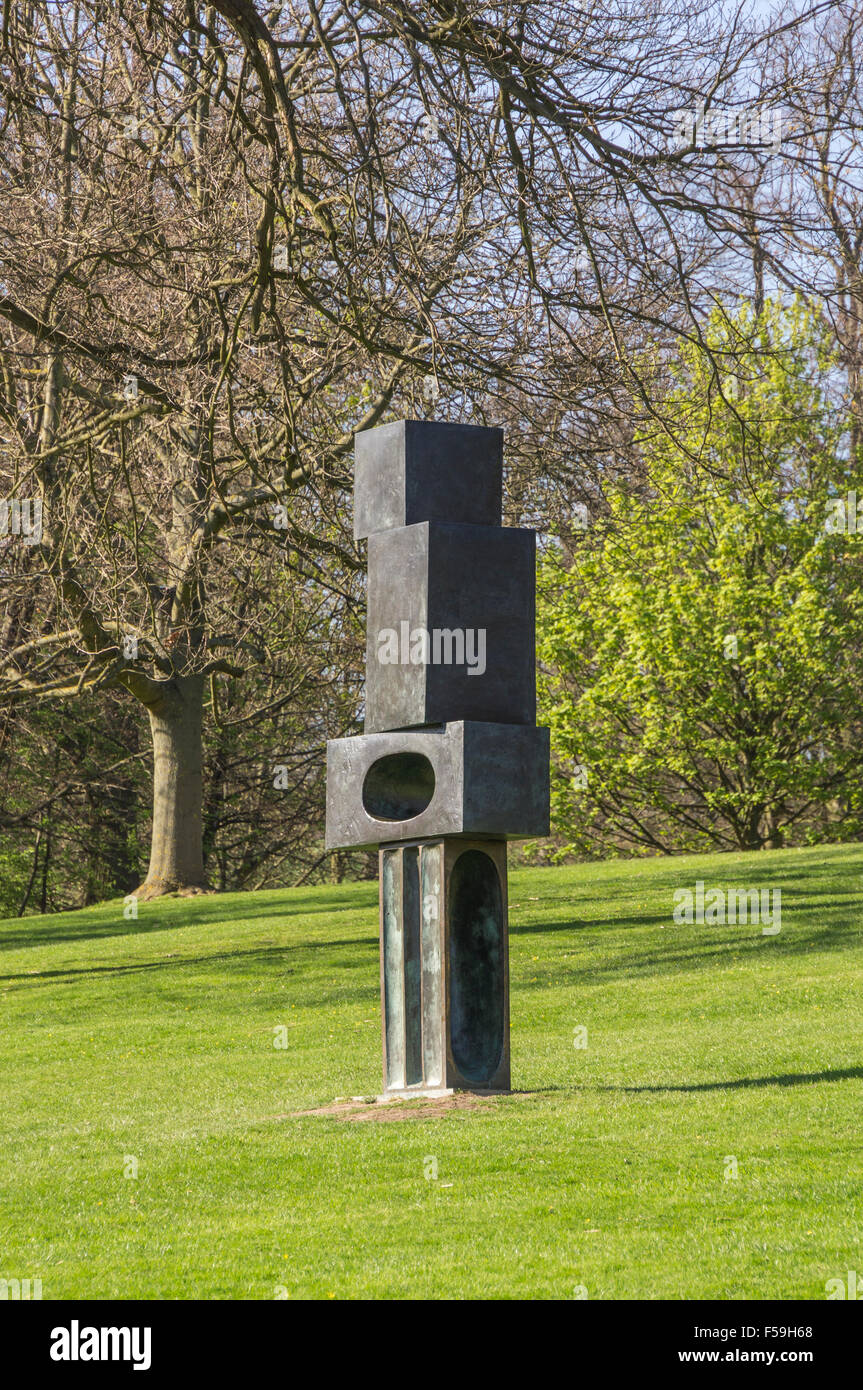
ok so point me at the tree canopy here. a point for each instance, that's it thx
(699, 659)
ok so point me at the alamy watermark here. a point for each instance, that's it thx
(753, 125)
(77, 1343)
(442, 646)
(20, 1289)
(844, 515)
(22, 517)
(720, 907)
(849, 1287)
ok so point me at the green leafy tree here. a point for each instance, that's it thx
(700, 661)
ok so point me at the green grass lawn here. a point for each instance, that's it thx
(153, 1041)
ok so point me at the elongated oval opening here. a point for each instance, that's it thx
(398, 787)
(477, 982)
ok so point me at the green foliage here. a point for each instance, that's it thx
(15, 869)
(699, 651)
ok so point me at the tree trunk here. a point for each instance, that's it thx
(773, 837)
(176, 851)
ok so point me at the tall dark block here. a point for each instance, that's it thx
(465, 595)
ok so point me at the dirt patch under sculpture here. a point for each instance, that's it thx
(359, 1109)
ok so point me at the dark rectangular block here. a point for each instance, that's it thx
(426, 470)
(466, 779)
(472, 591)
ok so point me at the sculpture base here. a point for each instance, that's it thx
(444, 967)
(439, 1093)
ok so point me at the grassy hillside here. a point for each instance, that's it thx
(151, 1044)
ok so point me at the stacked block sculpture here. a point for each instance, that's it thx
(451, 764)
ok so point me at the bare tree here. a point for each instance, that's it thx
(232, 235)
(813, 218)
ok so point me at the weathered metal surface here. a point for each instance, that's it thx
(412, 965)
(431, 869)
(392, 959)
(472, 591)
(423, 470)
(489, 779)
(476, 956)
(446, 1025)
(477, 967)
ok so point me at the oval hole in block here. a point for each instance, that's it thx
(476, 966)
(398, 787)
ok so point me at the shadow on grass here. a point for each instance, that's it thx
(169, 914)
(802, 1078)
(793, 1078)
(246, 958)
(705, 947)
(828, 904)
(601, 923)
(820, 881)
(810, 887)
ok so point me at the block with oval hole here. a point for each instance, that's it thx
(465, 778)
